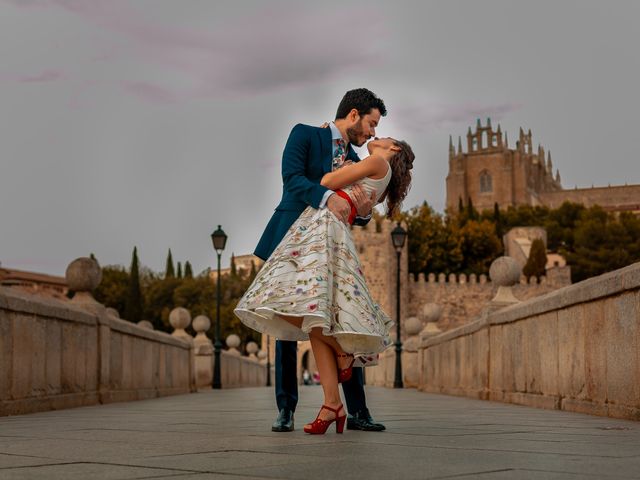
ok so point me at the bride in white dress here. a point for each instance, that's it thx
(312, 286)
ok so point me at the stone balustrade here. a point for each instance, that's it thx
(573, 349)
(58, 354)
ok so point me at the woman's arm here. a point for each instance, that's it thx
(372, 166)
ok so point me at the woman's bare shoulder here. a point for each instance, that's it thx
(377, 165)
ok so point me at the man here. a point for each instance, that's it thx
(311, 152)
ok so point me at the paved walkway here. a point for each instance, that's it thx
(226, 435)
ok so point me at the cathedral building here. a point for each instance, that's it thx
(490, 172)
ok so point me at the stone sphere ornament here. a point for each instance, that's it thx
(505, 272)
(412, 326)
(180, 318)
(233, 341)
(83, 275)
(252, 348)
(431, 312)
(201, 323)
(145, 324)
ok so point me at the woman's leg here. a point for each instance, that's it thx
(295, 321)
(343, 362)
(326, 361)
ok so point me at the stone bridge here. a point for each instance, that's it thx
(571, 352)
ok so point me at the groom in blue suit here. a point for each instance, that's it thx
(311, 152)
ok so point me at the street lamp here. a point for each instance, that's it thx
(398, 237)
(219, 239)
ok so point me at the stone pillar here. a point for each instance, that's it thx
(233, 342)
(180, 318)
(431, 314)
(252, 349)
(203, 352)
(505, 273)
(410, 363)
(83, 276)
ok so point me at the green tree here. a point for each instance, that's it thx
(480, 246)
(188, 271)
(133, 305)
(179, 272)
(432, 241)
(113, 289)
(537, 262)
(169, 270)
(159, 301)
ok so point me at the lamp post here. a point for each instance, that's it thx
(268, 361)
(219, 239)
(398, 237)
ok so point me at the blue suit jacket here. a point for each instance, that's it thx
(307, 156)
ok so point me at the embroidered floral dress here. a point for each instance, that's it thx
(315, 273)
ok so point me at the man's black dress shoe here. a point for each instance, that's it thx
(284, 422)
(362, 421)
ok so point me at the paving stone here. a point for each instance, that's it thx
(227, 434)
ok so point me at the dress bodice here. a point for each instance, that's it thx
(370, 185)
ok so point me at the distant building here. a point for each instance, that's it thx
(489, 172)
(243, 266)
(33, 282)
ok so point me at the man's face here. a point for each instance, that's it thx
(363, 127)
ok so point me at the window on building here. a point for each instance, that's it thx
(485, 182)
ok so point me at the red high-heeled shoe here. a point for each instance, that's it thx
(344, 374)
(320, 426)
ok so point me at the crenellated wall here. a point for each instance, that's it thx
(462, 297)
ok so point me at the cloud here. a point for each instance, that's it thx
(266, 51)
(150, 92)
(430, 116)
(46, 76)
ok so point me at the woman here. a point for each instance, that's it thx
(312, 286)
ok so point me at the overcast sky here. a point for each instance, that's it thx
(150, 122)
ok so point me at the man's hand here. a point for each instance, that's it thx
(362, 201)
(340, 208)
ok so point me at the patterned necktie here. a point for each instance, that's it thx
(339, 154)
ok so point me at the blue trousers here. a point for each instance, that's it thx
(287, 380)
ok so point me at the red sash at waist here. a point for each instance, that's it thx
(352, 215)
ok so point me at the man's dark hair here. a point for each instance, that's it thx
(362, 100)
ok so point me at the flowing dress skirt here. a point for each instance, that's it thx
(315, 273)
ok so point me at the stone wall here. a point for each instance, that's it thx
(56, 355)
(574, 349)
(619, 198)
(463, 297)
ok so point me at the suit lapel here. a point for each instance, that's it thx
(326, 149)
(352, 155)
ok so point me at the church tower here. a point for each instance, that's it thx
(490, 172)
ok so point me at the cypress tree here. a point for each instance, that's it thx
(497, 219)
(179, 274)
(537, 261)
(472, 213)
(188, 271)
(253, 273)
(133, 304)
(460, 205)
(169, 271)
(234, 271)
